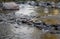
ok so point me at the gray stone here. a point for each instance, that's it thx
(10, 5)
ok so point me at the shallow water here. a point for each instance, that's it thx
(22, 31)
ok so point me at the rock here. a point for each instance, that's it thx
(33, 3)
(16, 27)
(1, 20)
(38, 25)
(18, 22)
(10, 6)
(55, 27)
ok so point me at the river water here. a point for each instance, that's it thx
(10, 29)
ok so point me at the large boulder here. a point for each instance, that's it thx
(10, 5)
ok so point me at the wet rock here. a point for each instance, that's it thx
(1, 20)
(18, 22)
(42, 25)
(45, 24)
(16, 27)
(38, 25)
(24, 22)
(10, 5)
(55, 27)
(33, 3)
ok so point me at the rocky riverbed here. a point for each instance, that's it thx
(11, 26)
(10, 29)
